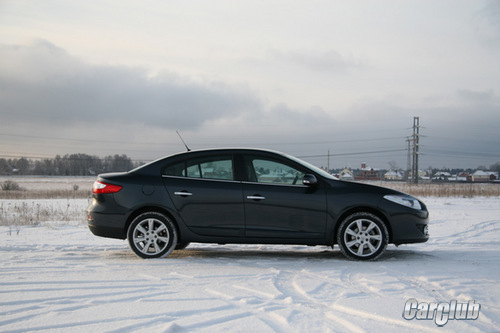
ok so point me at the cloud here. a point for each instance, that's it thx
(477, 97)
(48, 94)
(330, 60)
(487, 21)
(42, 83)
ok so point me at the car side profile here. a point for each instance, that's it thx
(250, 196)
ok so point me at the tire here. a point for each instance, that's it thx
(362, 236)
(152, 235)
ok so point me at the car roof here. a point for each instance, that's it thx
(234, 149)
(208, 151)
(227, 150)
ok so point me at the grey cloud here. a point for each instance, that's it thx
(461, 133)
(330, 60)
(487, 21)
(42, 83)
(487, 96)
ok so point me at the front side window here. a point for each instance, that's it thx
(273, 172)
(220, 167)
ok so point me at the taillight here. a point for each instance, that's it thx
(101, 188)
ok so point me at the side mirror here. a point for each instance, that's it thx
(309, 180)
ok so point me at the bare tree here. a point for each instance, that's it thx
(393, 165)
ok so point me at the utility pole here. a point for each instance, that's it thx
(328, 161)
(415, 139)
(409, 170)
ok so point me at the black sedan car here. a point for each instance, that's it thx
(249, 196)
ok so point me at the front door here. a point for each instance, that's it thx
(278, 205)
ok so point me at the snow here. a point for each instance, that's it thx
(56, 277)
(50, 183)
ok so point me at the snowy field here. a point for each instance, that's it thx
(58, 277)
(33, 183)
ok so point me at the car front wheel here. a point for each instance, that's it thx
(362, 236)
(152, 235)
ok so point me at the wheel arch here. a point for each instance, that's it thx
(154, 209)
(362, 209)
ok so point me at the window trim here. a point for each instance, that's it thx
(199, 161)
(203, 179)
(298, 185)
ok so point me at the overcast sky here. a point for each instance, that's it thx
(304, 77)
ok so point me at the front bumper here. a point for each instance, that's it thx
(407, 225)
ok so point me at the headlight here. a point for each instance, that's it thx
(404, 200)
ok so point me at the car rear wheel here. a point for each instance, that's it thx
(152, 235)
(362, 236)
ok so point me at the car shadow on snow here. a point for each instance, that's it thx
(265, 252)
(395, 254)
(242, 253)
(268, 252)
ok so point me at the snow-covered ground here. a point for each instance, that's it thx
(58, 277)
(50, 182)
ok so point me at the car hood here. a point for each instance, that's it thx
(366, 188)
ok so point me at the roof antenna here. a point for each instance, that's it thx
(185, 145)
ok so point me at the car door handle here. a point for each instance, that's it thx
(255, 197)
(183, 193)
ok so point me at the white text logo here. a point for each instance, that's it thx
(441, 312)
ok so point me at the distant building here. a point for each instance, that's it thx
(441, 176)
(393, 175)
(368, 173)
(463, 177)
(481, 176)
(424, 175)
(346, 174)
(458, 178)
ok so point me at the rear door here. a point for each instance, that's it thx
(278, 205)
(206, 196)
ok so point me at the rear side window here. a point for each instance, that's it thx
(219, 167)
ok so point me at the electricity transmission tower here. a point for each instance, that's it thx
(413, 161)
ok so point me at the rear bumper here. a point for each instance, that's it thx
(106, 218)
(107, 225)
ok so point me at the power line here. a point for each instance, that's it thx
(204, 143)
(29, 156)
(451, 153)
(352, 154)
(85, 140)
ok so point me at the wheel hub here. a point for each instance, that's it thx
(363, 237)
(151, 236)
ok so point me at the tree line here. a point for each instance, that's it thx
(67, 165)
